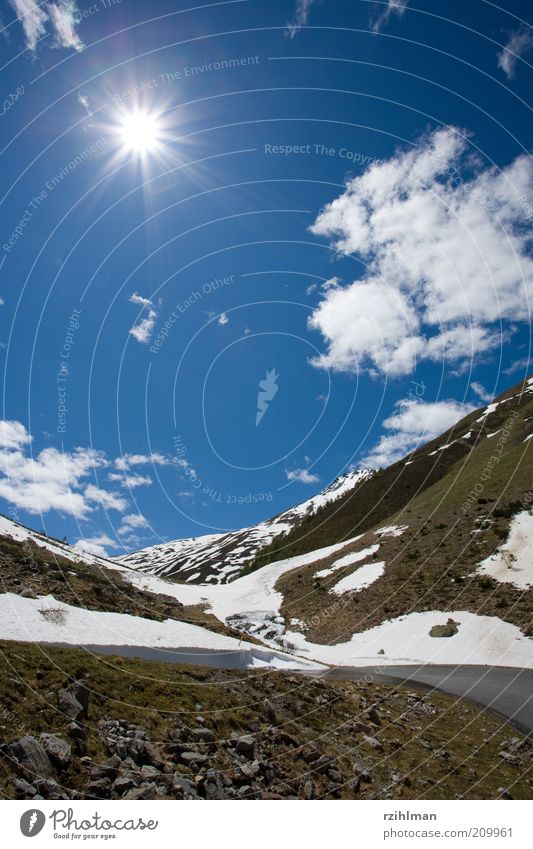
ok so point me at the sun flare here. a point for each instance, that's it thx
(140, 132)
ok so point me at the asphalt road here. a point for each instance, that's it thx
(504, 691)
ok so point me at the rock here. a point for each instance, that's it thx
(27, 593)
(99, 789)
(183, 788)
(288, 739)
(122, 784)
(152, 755)
(204, 735)
(381, 651)
(193, 758)
(250, 771)
(310, 753)
(75, 730)
(373, 742)
(68, 704)
(31, 756)
(58, 750)
(335, 775)
(24, 788)
(245, 746)
(309, 790)
(270, 713)
(81, 694)
(107, 769)
(504, 793)
(373, 715)
(323, 764)
(449, 630)
(149, 773)
(510, 759)
(144, 791)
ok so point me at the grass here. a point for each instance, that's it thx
(432, 746)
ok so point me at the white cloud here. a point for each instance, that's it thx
(2, 302)
(481, 392)
(125, 462)
(13, 435)
(52, 480)
(447, 252)
(142, 332)
(130, 481)
(301, 475)
(394, 7)
(134, 521)
(63, 17)
(96, 545)
(223, 319)
(413, 424)
(33, 20)
(519, 43)
(301, 17)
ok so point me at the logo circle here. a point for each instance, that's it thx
(32, 822)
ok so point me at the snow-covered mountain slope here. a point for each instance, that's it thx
(20, 533)
(218, 558)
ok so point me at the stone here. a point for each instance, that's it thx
(31, 756)
(122, 784)
(58, 750)
(75, 730)
(81, 694)
(149, 773)
(24, 788)
(68, 704)
(373, 742)
(107, 769)
(245, 746)
(204, 735)
(374, 716)
(152, 755)
(99, 788)
(183, 788)
(194, 758)
(144, 791)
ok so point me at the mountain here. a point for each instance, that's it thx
(219, 558)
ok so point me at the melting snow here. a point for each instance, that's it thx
(513, 562)
(361, 578)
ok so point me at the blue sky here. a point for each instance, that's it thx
(316, 211)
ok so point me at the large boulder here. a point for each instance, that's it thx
(69, 705)
(31, 757)
(58, 750)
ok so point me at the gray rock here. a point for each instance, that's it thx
(183, 788)
(81, 694)
(250, 771)
(144, 791)
(76, 731)
(24, 788)
(107, 769)
(122, 784)
(152, 755)
(245, 746)
(58, 750)
(31, 756)
(68, 704)
(204, 735)
(373, 742)
(99, 789)
(194, 757)
(149, 773)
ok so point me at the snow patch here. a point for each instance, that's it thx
(512, 563)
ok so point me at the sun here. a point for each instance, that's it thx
(140, 132)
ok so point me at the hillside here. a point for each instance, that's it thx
(78, 728)
(218, 558)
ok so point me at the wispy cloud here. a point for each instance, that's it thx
(223, 319)
(130, 481)
(519, 43)
(301, 17)
(33, 20)
(127, 461)
(96, 545)
(142, 331)
(301, 476)
(393, 7)
(61, 15)
(479, 390)
(412, 424)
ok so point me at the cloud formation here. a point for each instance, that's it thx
(34, 18)
(301, 476)
(412, 424)
(447, 249)
(142, 332)
(301, 17)
(519, 43)
(393, 7)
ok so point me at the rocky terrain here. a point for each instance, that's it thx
(76, 728)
